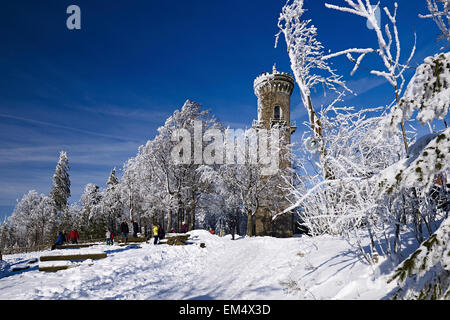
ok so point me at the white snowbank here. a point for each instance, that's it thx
(246, 268)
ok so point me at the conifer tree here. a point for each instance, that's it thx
(61, 183)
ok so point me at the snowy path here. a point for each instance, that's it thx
(247, 268)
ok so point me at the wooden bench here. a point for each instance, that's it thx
(73, 246)
(130, 239)
(178, 240)
(73, 257)
(57, 268)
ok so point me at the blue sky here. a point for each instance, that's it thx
(100, 92)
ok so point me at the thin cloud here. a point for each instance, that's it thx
(58, 126)
(90, 154)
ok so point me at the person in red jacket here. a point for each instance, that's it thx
(74, 236)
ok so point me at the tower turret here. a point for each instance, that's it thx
(273, 91)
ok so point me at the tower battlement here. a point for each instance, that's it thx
(276, 81)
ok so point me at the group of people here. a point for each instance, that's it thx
(63, 237)
(158, 234)
(125, 230)
(157, 231)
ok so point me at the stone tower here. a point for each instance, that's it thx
(273, 91)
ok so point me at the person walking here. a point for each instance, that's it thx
(183, 228)
(135, 228)
(161, 232)
(155, 234)
(232, 227)
(74, 236)
(124, 229)
(59, 240)
(65, 236)
(108, 237)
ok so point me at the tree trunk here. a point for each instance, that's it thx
(188, 219)
(192, 218)
(180, 217)
(130, 199)
(249, 224)
(316, 127)
(238, 222)
(169, 223)
(162, 218)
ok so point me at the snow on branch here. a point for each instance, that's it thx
(389, 55)
(441, 16)
(305, 51)
(427, 157)
(428, 92)
(424, 274)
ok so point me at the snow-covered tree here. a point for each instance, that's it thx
(155, 185)
(91, 222)
(389, 48)
(7, 236)
(112, 179)
(425, 274)
(428, 93)
(377, 187)
(70, 218)
(307, 62)
(32, 219)
(111, 203)
(61, 183)
(243, 184)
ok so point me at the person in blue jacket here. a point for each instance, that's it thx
(59, 241)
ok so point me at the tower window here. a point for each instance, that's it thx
(277, 113)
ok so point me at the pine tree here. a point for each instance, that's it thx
(61, 183)
(112, 180)
(92, 223)
(111, 204)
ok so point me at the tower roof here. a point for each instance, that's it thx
(275, 81)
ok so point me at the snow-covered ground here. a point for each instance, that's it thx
(247, 268)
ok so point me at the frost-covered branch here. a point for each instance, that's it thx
(428, 92)
(306, 56)
(389, 56)
(441, 16)
(389, 49)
